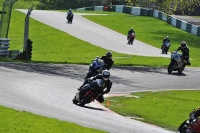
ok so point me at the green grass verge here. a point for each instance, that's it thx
(13, 121)
(22, 4)
(167, 109)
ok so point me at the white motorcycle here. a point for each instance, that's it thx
(177, 62)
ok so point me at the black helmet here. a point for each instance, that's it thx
(183, 44)
(106, 74)
(108, 55)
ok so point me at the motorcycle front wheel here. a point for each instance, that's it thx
(182, 128)
(85, 100)
(170, 67)
(74, 100)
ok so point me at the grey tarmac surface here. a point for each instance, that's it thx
(48, 89)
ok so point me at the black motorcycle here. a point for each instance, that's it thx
(89, 92)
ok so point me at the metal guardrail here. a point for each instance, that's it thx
(4, 45)
(14, 54)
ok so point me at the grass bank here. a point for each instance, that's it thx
(13, 121)
(167, 109)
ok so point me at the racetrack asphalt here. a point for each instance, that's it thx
(47, 89)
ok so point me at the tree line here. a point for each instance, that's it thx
(167, 6)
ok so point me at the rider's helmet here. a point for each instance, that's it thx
(108, 55)
(70, 10)
(167, 37)
(106, 74)
(183, 44)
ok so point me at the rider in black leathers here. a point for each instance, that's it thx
(108, 84)
(185, 52)
(70, 13)
(108, 60)
(130, 31)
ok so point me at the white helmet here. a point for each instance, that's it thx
(106, 74)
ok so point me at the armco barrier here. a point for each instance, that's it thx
(194, 29)
(89, 8)
(189, 27)
(169, 20)
(127, 9)
(98, 8)
(144, 12)
(150, 12)
(4, 45)
(136, 11)
(119, 8)
(164, 18)
(155, 13)
(198, 31)
(111, 8)
(183, 25)
(178, 24)
(173, 22)
(160, 15)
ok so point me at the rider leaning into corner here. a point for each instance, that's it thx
(108, 63)
(185, 52)
(130, 31)
(165, 40)
(108, 60)
(108, 84)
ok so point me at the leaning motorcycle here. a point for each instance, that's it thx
(190, 126)
(177, 62)
(165, 48)
(89, 92)
(131, 38)
(101, 67)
